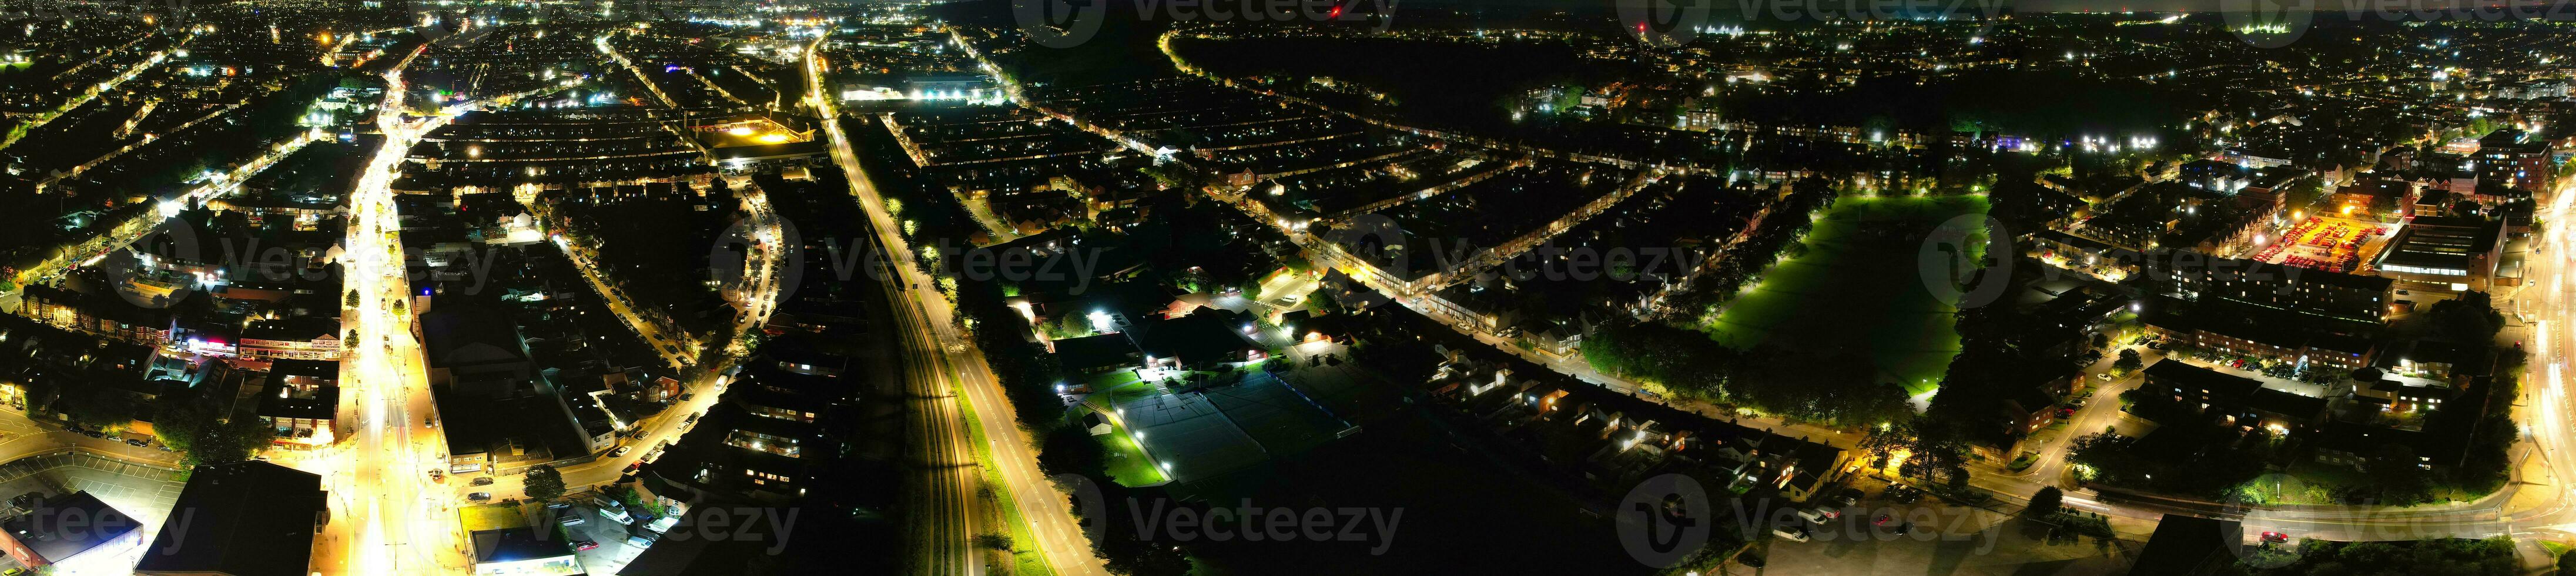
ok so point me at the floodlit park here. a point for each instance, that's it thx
(1858, 283)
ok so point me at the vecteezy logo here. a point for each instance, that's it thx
(1059, 23)
(1088, 504)
(1949, 258)
(137, 273)
(433, 23)
(1664, 23)
(1381, 13)
(740, 253)
(1664, 520)
(2268, 23)
(1375, 240)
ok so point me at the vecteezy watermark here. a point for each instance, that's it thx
(137, 273)
(1952, 256)
(2268, 23)
(1665, 520)
(2279, 23)
(1069, 23)
(1665, 22)
(740, 252)
(1865, 524)
(1162, 521)
(1074, 267)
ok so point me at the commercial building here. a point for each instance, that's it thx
(2352, 298)
(74, 530)
(241, 519)
(2512, 159)
(308, 338)
(522, 550)
(2241, 401)
(2445, 253)
(301, 400)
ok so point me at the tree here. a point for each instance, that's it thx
(1278, 363)
(2128, 362)
(351, 301)
(544, 483)
(2396, 474)
(221, 442)
(2471, 318)
(2045, 502)
(994, 540)
(96, 407)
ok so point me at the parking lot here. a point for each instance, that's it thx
(143, 492)
(612, 552)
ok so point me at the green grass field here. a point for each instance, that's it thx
(1025, 557)
(1128, 463)
(1858, 285)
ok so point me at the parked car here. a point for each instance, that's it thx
(136, 442)
(571, 520)
(1819, 514)
(483, 481)
(685, 396)
(479, 496)
(584, 544)
(1848, 496)
(2275, 537)
(1793, 534)
(1904, 494)
(621, 451)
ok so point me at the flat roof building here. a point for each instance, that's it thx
(240, 519)
(72, 530)
(2448, 253)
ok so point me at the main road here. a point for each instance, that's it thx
(940, 365)
(382, 482)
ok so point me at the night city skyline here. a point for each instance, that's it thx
(1254, 287)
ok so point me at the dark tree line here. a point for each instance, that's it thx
(1776, 234)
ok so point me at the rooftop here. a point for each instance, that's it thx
(242, 519)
